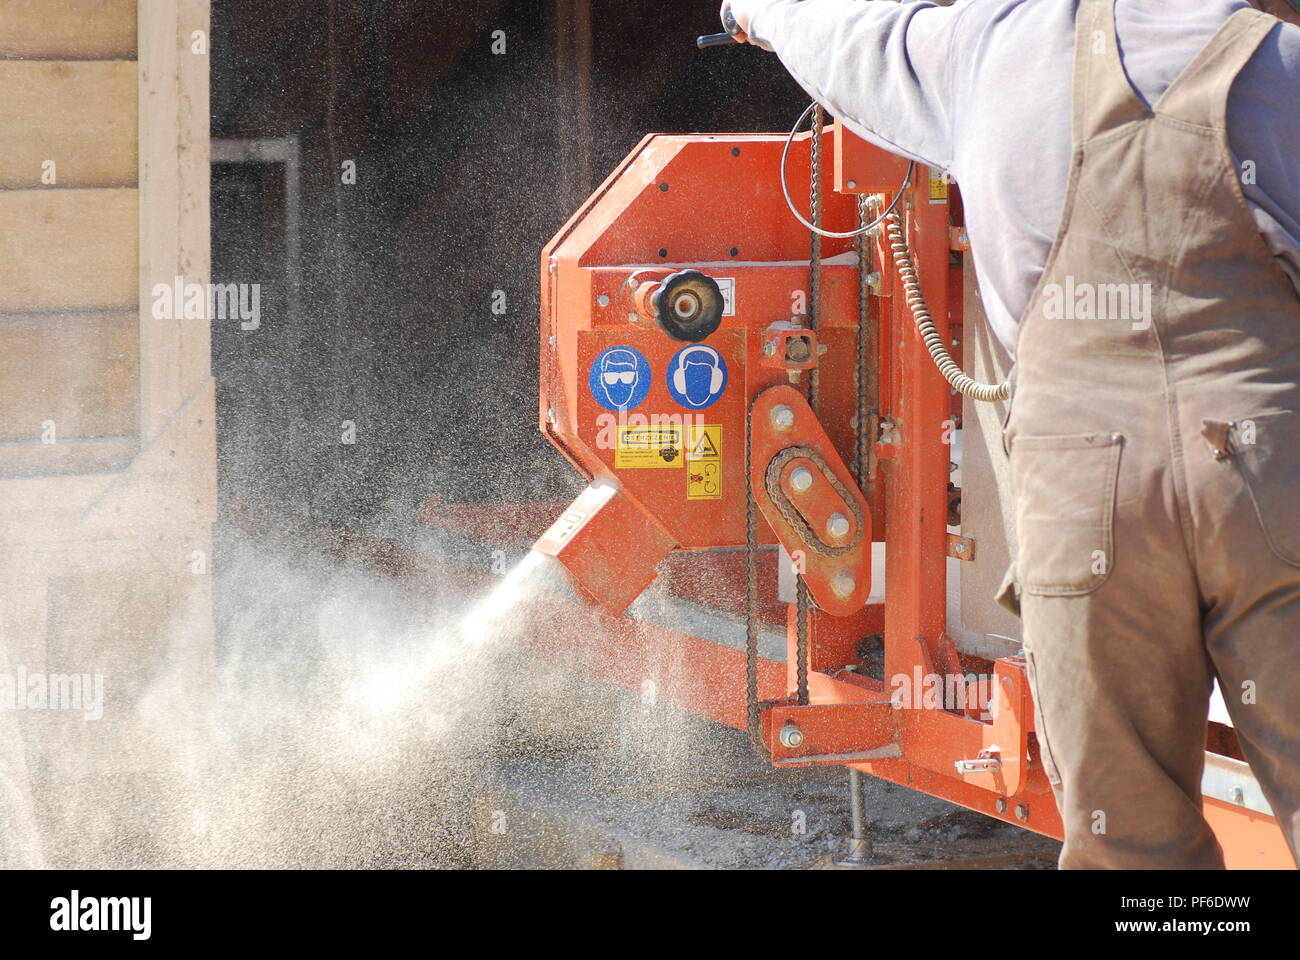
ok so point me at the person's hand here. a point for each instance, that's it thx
(741, 18)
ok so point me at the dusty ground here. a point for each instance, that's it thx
(662, 789)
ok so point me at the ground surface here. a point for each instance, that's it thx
(666, 790)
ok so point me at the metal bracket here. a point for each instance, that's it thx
(963, 548)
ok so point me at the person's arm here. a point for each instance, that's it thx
(880, 67)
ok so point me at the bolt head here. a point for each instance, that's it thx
(1001, 805)
(782, 417)
(801, 479)
(838, 525)
(797, 350)
(843, 583)
(1022, 812)
(791, 736)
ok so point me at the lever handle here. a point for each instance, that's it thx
(715, 40)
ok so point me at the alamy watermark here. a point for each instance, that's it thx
(21, 690)
(75, 913)
(1073, 300)
(646, 431)
(179, 300)
(932, 691)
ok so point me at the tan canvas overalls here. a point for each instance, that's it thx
(1155, 467)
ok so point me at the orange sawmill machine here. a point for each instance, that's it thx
(765, 430)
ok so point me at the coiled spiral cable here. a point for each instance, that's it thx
(933, 339)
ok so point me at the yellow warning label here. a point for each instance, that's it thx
(939, 188)
(704, 480)
(704, 462)
(706, 442)
(642, 448)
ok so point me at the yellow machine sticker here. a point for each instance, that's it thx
(938, 188)
(642, 448)
(704, 462)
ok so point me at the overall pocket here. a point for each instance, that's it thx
(1267, 451)
(1064, 489)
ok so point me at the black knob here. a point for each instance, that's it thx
(688, 306)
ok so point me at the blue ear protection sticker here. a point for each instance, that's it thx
(697, 376)
(619, 378)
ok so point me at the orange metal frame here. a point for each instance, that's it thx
(713, 203)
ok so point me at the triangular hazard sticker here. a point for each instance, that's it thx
(705, 447)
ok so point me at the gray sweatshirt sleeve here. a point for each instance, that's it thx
(881, 67)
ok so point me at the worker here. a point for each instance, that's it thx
(1130, 173)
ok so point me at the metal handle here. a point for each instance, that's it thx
(715, 40)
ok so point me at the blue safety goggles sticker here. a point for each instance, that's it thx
(620, 378)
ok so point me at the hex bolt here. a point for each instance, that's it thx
(1238, 794)
(798, 350)
(791, 736)
(1022, 813)
(801, 479)
(838, 525)
(1001, 805)
(782, 417)
(843, 584)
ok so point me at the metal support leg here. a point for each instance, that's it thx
(859, 852)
